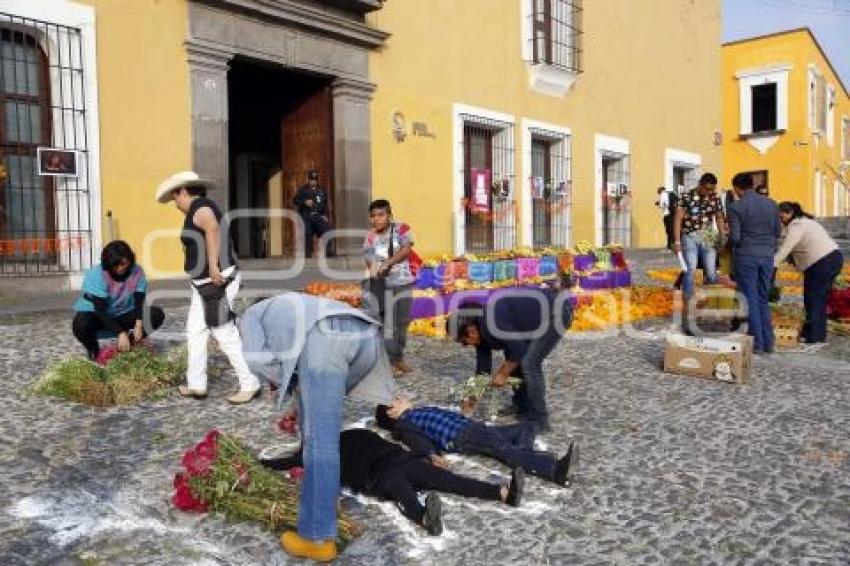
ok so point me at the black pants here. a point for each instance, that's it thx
(86, 326)
(314, 225)
(817, 282)
(400, 482)
(668, 229)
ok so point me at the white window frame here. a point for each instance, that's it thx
(815, 112)
(458, 110)
(71, 14)
(602, 144)
(830, 115)
(677, 158)
(845, 142)
(839, 199)
(527, 126)
(543, 78)
(747, 79)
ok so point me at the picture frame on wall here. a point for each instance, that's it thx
(57, 162)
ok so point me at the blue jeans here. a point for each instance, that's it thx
(754, 276)
(696, 252)
(817, 282)
(338, 353)
(512, 445)
(530, 397)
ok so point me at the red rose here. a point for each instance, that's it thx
(107, 354)
(183, 497)
(296, 473)
(198, 463)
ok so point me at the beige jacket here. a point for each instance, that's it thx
(806, 241)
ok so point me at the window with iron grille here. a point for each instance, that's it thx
(616, 225)
(817, 101)
(488, 173)
(556, 33)
(45, 222)
(551, 200)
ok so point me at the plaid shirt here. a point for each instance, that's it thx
(440, 425)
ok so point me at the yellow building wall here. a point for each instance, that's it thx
(650, 77)
(144, 108)
(791, 163)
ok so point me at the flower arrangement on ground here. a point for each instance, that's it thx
(124, 379)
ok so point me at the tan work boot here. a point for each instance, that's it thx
(241, 397)
(186, 391)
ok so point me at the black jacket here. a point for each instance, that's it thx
(317, 195)
(363, 458)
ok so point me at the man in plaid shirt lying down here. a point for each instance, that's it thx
(430, 431)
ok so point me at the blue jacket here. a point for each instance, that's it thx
(754, 227)
(274, 332)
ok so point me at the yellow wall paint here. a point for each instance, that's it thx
(650, 76)
(798, 153)
(144, 105)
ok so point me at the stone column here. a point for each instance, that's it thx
(352, 156)
(208, 66)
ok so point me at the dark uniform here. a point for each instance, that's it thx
(315, 215)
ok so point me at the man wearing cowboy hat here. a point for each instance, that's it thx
(210, 262)
(311, 202)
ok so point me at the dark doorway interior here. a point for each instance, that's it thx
(265, 103)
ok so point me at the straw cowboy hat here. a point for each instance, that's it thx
(181, 179)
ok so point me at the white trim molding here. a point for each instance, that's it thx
(678, 158)
(603, 144)
(747, 79)
(458, 211)
(542, 78)
(75, 15)
(565, 137)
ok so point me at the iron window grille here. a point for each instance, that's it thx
(488, 147)
(45, 222)
(556, 30)
(551, 190)
(616, 199)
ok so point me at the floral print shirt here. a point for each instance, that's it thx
(700, 211)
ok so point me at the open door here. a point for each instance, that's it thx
(307, 144)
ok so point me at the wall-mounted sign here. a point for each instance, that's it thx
(57, 162)
(399, 127)
(421, 130)
(480, 183)
(417, 129)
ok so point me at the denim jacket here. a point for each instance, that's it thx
(274, 332)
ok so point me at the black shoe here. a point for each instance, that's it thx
(432, 520)
(567, 465)
(514, 498)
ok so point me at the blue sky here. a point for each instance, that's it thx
(829, 20)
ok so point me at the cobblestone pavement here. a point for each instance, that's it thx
(674, 469)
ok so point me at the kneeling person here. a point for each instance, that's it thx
(113, 300)
(428, 431)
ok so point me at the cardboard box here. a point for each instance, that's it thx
(787, 335)
(726, 360)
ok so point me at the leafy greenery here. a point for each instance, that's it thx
(127, 378)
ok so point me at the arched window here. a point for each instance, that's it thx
(27, 207)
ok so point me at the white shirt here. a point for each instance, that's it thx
(664, 203)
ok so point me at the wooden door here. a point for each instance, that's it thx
(307, 144)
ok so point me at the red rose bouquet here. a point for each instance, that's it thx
(219, 474)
